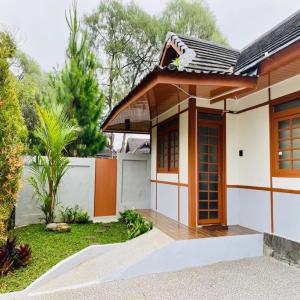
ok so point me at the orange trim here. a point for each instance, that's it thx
(192, 162)
(263, 188)
(271, 160)
(170, 182)
(280, 59)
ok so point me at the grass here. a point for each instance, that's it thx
(48, 248)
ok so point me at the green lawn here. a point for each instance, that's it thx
(49, 248)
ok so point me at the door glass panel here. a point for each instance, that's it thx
(296, 122)
(285, 164)
(214, 215)
(283, 134)
(296, 154)
(213, 205)
(284, 144)
(283, 124)
(203, 205)
(296, 143)
(296, 132)
(208, 168)
(284, 154)
(296, 164)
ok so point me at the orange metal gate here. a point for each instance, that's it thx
(105, 187)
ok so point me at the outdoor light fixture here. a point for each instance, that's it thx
(127, 124)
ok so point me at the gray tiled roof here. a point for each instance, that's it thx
(279, 37)
(209, 56)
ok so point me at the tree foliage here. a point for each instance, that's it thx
(12, 135)
(192, 18)
(32, 86)
(54, 133)
(129, 40)
(77, 88)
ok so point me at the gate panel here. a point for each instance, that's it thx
(105, 187)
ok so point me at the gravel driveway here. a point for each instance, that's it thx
(254, 278)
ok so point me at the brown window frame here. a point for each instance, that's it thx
(275, 118)
(167, 129)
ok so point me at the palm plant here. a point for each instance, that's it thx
(54, 134)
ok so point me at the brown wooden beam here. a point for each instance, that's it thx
(280, 59)
(192, 163)
(230, 95)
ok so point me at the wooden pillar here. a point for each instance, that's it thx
(192, 168)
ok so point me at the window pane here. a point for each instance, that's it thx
(296, 143)
(287, 105)
(206, 116)
(203, 130)
(213, 140)
(213, 186)
(283, 124)
(203, 215)
(296, 122)
(203, 167)
(203, 149)
(213, 158)
(213, 196)
(203, 195)
(213, 177)
(213, 168)
(203, 186)
(283, 134)
(296, 164)
(296, 132)
(203, 205)
(203, 158)
(213, 131)
(296, 153)
(213, 149)
(213, 205)
(213, 215)
(284, 144)
(203, 176)
(284, 154)
(285, 164)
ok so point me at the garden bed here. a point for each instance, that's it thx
(48, 248)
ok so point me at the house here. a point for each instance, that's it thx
(225, 131)
(135, 145)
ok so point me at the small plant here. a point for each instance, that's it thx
(82, 217)
(135, 222)
(13, 257)
(68, 214)
(74, 215)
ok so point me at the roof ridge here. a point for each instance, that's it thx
(206, 41)
(271, 30)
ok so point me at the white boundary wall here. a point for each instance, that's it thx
(77, 187)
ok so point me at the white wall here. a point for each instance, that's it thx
(167, 200)
(133, 181)
(183, 148)
(77, 187)
(287, 215)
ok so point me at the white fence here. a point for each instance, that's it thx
(77, 187)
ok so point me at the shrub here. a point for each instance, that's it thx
(54, 133)
(74, 215)
(13, 257)
(12, 136)
(135, 222)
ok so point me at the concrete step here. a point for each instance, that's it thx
(116, 260)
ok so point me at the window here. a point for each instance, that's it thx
(168, 146)
(286, 138)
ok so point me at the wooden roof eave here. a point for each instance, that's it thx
(159, 76)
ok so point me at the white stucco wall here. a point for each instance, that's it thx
(167, 200)
(77, 187)
(183, 148)
(133, 181)
(287, 215)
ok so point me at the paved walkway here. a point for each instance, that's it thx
(253, 278)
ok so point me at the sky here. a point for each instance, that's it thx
(40, 28)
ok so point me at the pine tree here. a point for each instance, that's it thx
(77, 88)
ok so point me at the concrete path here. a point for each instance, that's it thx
(97, 269)
(253, 278)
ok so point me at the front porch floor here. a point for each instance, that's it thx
(178, 231)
